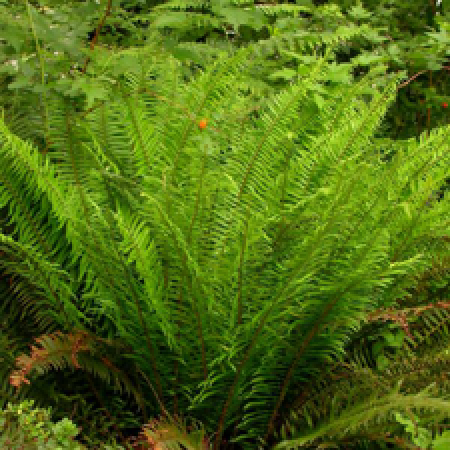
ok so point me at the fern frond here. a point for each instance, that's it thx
(57, 351)
(331, 414)
(174, 434)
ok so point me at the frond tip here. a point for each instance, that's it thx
(173, 433)
(54, 352)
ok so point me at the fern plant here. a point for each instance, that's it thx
(228, 275)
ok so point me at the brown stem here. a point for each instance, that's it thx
(433, 6)
(411, 79)
(97, 32)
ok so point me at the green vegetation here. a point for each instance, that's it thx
(224, 225)
(23, 427)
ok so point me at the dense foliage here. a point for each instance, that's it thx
(21, 427)
(231, 211)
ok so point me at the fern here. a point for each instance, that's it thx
(224, 296)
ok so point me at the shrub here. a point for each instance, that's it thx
(22, 427)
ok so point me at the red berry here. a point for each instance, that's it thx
(445, 105)
(202, 124)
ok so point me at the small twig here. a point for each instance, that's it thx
(411, 79)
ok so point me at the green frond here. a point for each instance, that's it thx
(348, 417)
(417, 364)
(283, 8)
(46, 276)
(178, 4)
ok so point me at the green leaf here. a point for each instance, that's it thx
(358, 13)
(20, 82)
(382, 362)
(394, 339)
(407, 209)
(442, 442)
(339, 73)
(91, 88)
(15, 37)
(365, 59)
(124, 63)
(237, 16)
(285, 74)
(170, 19)
(319, 100)
(442, 37)
(377, 348)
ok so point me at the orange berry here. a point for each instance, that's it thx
(202, 124)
